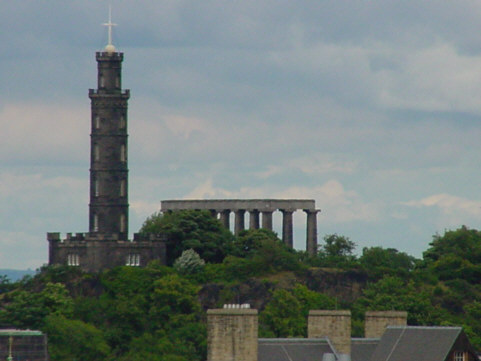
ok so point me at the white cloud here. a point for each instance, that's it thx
(338, 205)
(454, 210)
(44, 132)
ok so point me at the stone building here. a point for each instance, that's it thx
(233, 336)
(23, 345)
(106, 244)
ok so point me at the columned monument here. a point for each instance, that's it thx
(256, 208)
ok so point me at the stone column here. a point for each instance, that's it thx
(287, 226)
(267, 220)
(311, 236)
(239, 221)
(253, 219)
(225, 218)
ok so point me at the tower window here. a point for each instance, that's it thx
(133, 259)
(122, 122)
(96, 187)
(96, 152)
(122, 223)
(96, 223)
(117, 82)
(97, 122)
(101, 81)
(73, 259)
(122, 188)
(123, 155)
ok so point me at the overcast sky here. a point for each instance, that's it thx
(370, 107)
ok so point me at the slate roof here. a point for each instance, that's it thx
(293, 349)
(401, 343)
(363, 348)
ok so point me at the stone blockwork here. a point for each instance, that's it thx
(232, 334)
(335, 324)
(109, 206)
(92, 252)
(257, 208)
(375, 322)
(106, 245)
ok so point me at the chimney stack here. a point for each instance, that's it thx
(232, 333)
(375, 322)
(335, 324)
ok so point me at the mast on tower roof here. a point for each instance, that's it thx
(109, 48)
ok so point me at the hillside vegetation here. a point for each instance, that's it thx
(158, 312)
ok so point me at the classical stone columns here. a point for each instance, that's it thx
(287, 235)
(311, 233)
(256, 208)
(253, 219)
(239, 221)
(267, 219)
(225, 218)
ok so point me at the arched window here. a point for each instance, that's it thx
(122, 123)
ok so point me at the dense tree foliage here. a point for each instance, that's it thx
(190, 229)
(158, 312)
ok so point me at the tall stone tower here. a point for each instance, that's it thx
(106, 245)
(109, 207)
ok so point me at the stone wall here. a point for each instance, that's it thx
(93, 254)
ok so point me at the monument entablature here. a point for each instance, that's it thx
(260, 214)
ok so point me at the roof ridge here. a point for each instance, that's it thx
(426, 327)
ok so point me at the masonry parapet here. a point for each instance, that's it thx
(149, 237)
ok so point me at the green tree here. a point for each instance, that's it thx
(378, 262)
(27, 309)
(394, 293)
(285, 315)
(191, 229)
(338, 246)
(72, 340)
(189, 262)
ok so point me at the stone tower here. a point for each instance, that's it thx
(109, 207)
(106, 245)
